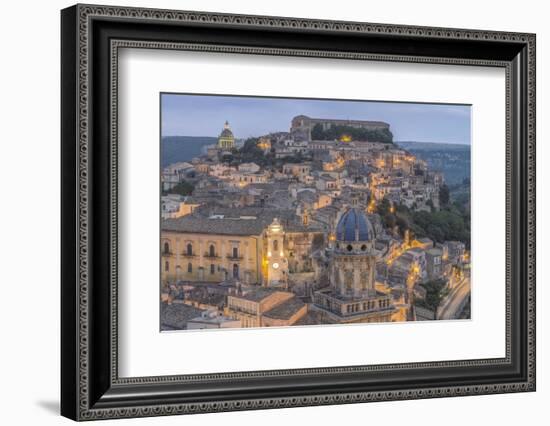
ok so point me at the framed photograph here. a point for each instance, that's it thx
(265, 212)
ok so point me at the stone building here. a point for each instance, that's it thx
(456, 251)
(252, 245)
(265, 308)
(434, 263)
(176, 173)
(352, 296)
(174, 206)
(212, 248)
(212, 320)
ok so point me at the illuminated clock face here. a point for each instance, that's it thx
(275, 265)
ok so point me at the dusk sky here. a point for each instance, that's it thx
(204, 115)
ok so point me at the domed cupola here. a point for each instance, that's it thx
(354, 232)
(226, 140)
(354, 226)
(226, 132)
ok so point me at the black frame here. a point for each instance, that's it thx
(90, 386)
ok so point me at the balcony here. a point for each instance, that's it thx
(167, 253)
(207, 255)
(234, 258)
(185, 254)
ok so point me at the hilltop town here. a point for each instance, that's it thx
(328, 223)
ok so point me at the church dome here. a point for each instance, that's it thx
(226, 132)
(354, 226)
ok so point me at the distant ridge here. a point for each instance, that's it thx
(452, 159)
(183, 148)
(432, 145)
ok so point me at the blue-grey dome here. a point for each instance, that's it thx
(226, 133)
(354, 226)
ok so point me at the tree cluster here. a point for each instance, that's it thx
(249, 153)
(450, 223)
(183, 188)
(444, 195)
(336, 132)
(435, 292)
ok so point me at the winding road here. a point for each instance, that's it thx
(453, 304)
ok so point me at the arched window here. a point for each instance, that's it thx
(189, 267)
(189, 249)
(166, 248)
(235, 271)
(275, 245)
(212, 250)
(212, 269)
(166, 266)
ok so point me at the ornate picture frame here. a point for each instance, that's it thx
(90, 40)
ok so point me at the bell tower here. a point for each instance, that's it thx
(277, 263)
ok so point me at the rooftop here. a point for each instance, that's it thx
(176, 315)
(435, 252)
(235, 221)
(286, 309)
(257, 295)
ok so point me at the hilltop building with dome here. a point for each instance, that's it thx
(226, 140)
(352, 296)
